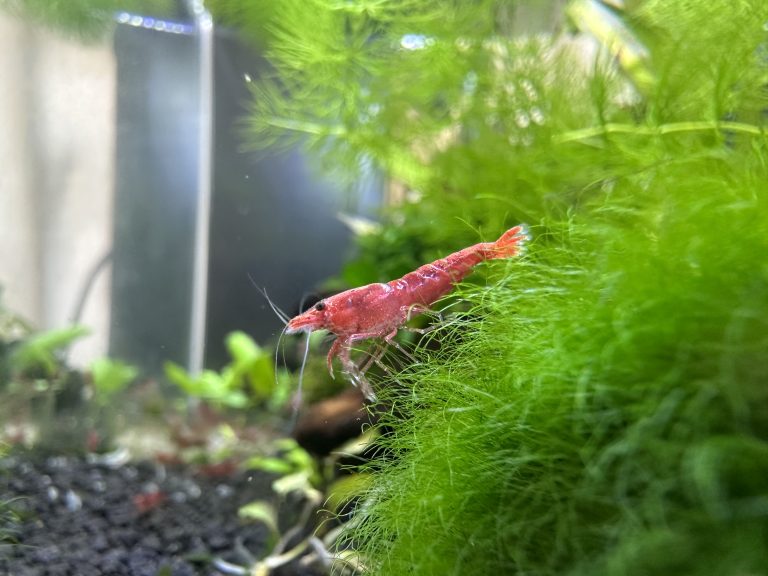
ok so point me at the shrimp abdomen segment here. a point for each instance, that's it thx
(428, 283)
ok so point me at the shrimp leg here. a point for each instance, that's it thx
(343, 343)
(355, 374)
(390, 339)
(342, 348)
(373, 357)
(376, 356)
(414, 310)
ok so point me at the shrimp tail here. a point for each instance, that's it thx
(511, 243)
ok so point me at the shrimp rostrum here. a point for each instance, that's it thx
(377, 311)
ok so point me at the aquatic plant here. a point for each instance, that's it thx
(109, 377)
(313, 534)
(603, 408)
(599, 408)
(40, 354)
(42, 395)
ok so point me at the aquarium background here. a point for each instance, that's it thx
(170, 150)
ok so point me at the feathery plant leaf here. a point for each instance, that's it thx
(328, 57)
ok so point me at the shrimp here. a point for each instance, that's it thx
(378, 311)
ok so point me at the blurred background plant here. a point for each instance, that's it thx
(250, 380)
(326, 498)
(50, 404)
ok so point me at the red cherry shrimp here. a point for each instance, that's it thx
(377, 311)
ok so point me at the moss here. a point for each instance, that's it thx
(605, 410)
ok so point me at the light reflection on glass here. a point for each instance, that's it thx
(150, 23)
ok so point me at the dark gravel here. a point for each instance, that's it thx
(79, 518)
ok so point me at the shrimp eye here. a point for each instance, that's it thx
(320, 306)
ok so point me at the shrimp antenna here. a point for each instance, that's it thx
(263, 291)
(297, 398)
(303, 301)
(277, 354)
(284, 319)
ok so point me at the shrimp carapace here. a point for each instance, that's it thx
(379, 310)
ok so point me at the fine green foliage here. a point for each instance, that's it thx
(603, 409)
(87, 20)
(600, 406)
(337, 58)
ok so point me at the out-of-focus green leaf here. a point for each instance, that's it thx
(260, 511)
(298, 482)
(242, 348)
(111, 376)
(178, 376)
(38, 352)
(252, 362)
(269, 464)
(345, 489)
(356, 446)
(210, 386)
(248, 379)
